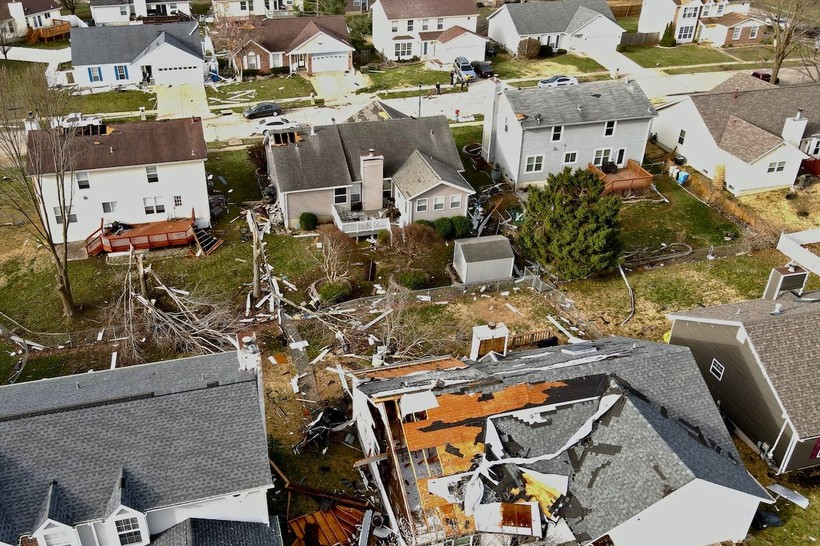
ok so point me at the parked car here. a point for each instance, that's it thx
(262, 110)
(483, 69)
(557, 81)
(463, 69)
(765, 76)
(274, 124)
(76, 119)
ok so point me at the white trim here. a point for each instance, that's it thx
(460, 201)
(440, 182)
(788, 454)
(717, 369)
(564, 159)
(614, 123)
(439, 199)
(537, 158)
(418, 204)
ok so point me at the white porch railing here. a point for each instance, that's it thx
(360, 227)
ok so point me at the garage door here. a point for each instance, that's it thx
(330, 62)
(178, 75)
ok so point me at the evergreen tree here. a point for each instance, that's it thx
(668, 38)
(570, 227)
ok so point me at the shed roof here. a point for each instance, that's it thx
(124, 43)
(533, 18)
(483, 249)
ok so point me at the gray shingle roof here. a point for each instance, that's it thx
(331, 156)
(282, 34)
(591, 102)
(208, 532)
(81, 431)
(787, 345)
(763, 109)
(416, 9)
(557, 16)
(124, 43)
(375, 111)
(481, 249)
(741, 81)
(420, 174)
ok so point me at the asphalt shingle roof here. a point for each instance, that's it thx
(481, 249)
(420, 174)
(417, 9)
(64, 442)
(124, 43)
(788, 348)
(741, 81)
(591, 102)
(282, 34)
(556, 16)
(208, 532)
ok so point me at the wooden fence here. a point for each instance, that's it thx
(640, 38)
(624, 9)
(529, 339)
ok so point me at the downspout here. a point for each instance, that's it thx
(788, 453)
(777, 440)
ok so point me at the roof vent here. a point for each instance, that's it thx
(778, 309)
(579, 349)
(538, 118)
(799, 114)
(596, 95)
(579, 109)
(110, 149)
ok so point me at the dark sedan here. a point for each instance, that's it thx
(263, 110)
(483, 69)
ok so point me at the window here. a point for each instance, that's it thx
(128, 531)
(83, 182)
(421, 204)
(686, 33)
(609, 128)
(152, 174)
(409, 25)
(556, 133)
(720, 10)
(394, 26)
(58, 538)
(173, 7)
(535, 164)
(123, 10)
(387, 189)
(776, 167)
(438, 203)
(153, 205)
(602, 156)
(688, 13)
(425, 24)
(736, 33)
(506, 128)
(455, 201)
(109, 206)
(753, 32)
(716, 369)
(340, 196)
(177, 200)
(681, 136)
(404, 49)
(439, 24)
(570, 158)
(243, 6)
(121, 72)
(816, 150)
(251, 61)
(94, 74)
(69, 213)
(48, 15)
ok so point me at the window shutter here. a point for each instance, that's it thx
(245, 62)
(125, 66)
(815, 453)
(90, 76)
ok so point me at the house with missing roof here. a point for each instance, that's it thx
(759, 359)
(427, 29)
(613, 441)
(310, 44)
(238, 9)
(746, 135)
(581, 26)
(693, 17)
(602, 125)
(129, 173)
(122, 12)
(16, 18)
(162, 54)
(359, 174)
(172, 453)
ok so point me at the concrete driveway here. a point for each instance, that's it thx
(182, 101)
(333, 86)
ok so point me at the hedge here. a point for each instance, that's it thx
(308, 221)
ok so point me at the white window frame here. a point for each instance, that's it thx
(438, 202)
(243, 5)
(421, 204)
(96, 74)
(816, 149)
(403, 50)
(686, 32)
(620, 157)
(455, 201)
(574, 159)
(720, 9)
(609, 128)
(736, 33)
(681, 136)
(83, 180)
(251, 60)
(394, 26)
(425, 24)
(717, 369)
(177, 200)
(337, 193)
(753, 32)
(110, 205)
(120, 72)
(410, 25)
(69, 213)
(534, 164)
(123, 10)
(155, 204)
(151, 172)
(125, 529)
(776, 167)
(557, 131)
(689, 12)
(606, 154)
(440, 23)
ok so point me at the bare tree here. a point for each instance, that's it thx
(335, 255)
(810, 61)
(230, 36)
(414, 241)
(6, 40)
(791, 22)
(407, 337)
(70, 5)
(36, 163)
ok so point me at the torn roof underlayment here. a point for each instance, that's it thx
(585, 439)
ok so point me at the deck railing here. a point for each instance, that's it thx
(59, 28)
(360, 227)
(631, 177)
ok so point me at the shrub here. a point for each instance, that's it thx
(413, 279)
(383, 237)
(332, 292)
(462, 226)
(668, 38)
(427, 223)
(560, 51)
(528, 49)
(308, 221)
(250, 73)
(444, 227)
(545, 51)
(620, 48)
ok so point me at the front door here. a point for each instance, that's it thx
(424, 49)
(146, 73)
(621, 157)
(301, 61)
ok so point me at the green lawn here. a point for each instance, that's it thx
(200, 8)
(407, 75)
(115, 101)
(684, 219)
(52, 44)
(278, 87)
(629, 24)
(727, 67)
(751, 53)
(468, 135)
(83, 11)
(508, 68)
(682, 55)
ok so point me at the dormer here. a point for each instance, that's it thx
(51, 527)
(124, 525)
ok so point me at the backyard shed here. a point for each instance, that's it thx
(483, 259)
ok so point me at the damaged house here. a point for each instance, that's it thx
(611, 442)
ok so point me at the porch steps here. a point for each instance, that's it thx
(206, 242)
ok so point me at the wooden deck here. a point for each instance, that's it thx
(58, 29)
(141, 236)
(631, 177)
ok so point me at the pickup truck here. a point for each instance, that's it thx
(75, 120)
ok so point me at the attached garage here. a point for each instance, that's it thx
(459, 42)
(600, 36)
(178, 75)
(329, 62)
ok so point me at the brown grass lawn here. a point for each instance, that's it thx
(802, 212)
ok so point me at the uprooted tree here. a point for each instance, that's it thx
(792, 23)
(570, 226)
(39, 163)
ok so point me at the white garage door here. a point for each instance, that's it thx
(330, 62)
(178, 75)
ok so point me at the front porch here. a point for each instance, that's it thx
(630, 177)
(360, 223)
